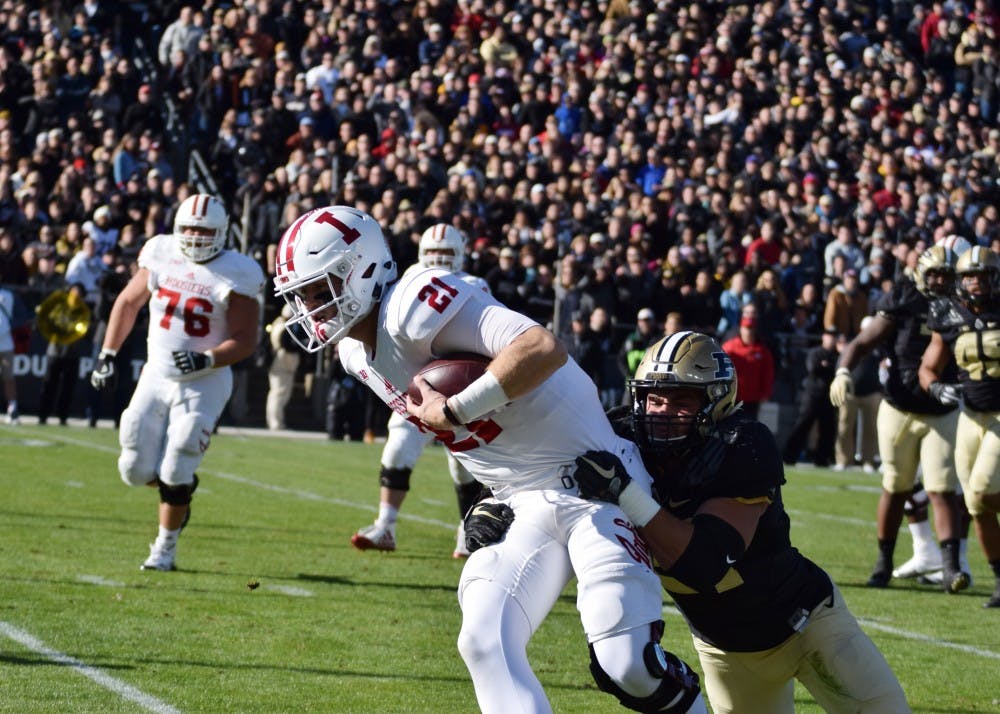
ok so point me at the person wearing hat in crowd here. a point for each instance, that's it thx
(646, 332)
(754, 363)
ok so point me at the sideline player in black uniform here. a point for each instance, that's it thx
(969, 331)
(761, 614)
(913, 427)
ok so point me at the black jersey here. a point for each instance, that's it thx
(974, 339)
(762, 600)
(907, 309)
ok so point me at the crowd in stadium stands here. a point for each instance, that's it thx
(718, 164)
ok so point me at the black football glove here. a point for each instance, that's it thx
(188, 362)
(601, 476)
(946, 393)
(104, 369)
(487, 523)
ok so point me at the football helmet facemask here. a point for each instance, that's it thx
(206, 212)
(684, 360)
(939, 259)
(332, 267)
(447, 239)
(985, 263)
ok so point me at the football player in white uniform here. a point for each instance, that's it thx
(518, 429)
(203, 315)
(441, 246)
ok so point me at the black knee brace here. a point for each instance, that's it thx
(916, 502)
(678, 689)
(177, 495)
(396, 479)
(468, 496)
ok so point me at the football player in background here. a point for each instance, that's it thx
(441, 246)
(203, 317)
(761, 614)
(968, 332)
(914, 428)
(517, 429)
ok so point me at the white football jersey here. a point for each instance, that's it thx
(473, 280)
(529, 444)
(187, 309)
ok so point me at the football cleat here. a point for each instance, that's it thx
(994, 600)
(919, 565)
(461, 551)
(954, 581)
(374, 537)
(13, 418)
(881, 575)
(161, 557)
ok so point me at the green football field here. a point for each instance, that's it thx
(271, 609)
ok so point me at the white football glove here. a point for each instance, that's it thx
(841, 387)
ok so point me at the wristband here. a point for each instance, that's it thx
(450, 415)
(481, 397)
(211, 358)
(843, 371)
(108, 352)
(638, 505)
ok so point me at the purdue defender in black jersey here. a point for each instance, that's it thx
(761, 614)
(969, 331)
(913, 427)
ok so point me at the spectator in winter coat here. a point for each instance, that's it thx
(754, 364)
(846, 306)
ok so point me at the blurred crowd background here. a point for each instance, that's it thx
(762, 172)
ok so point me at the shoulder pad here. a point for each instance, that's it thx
(244, 274)
(944, 313)
(422, 302)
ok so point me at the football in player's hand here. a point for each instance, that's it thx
(450, 374)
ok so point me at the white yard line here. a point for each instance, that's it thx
(928, 639)
(289, 590)
(123, 690)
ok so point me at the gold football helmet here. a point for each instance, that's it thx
(936, 259)
(684, 360)
(985, 263)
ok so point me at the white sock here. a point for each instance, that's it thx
(923, 537)
(167, 537)
(963, 555)
(12, 406)
(387, 515)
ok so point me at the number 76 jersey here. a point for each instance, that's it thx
(188, 302)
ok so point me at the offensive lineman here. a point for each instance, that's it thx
(914, 428)
(441, 246)
(761, 614)
(518, 429)
(968, 330)
(203, 315)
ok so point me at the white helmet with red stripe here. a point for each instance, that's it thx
(442, 246)
(205, 212)
(332, 267)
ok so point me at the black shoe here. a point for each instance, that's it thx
(994, 600)
(954, 581)
(880, 577)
